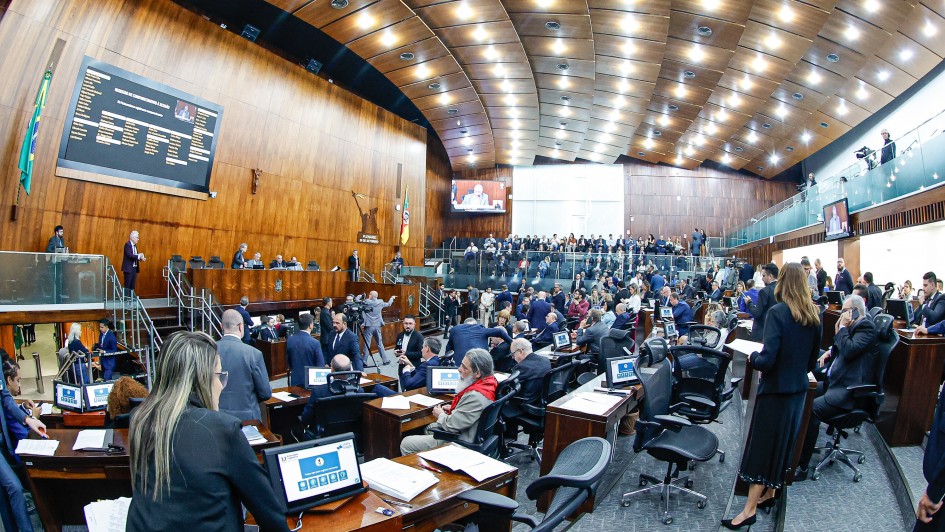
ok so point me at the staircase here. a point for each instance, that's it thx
(165, 321)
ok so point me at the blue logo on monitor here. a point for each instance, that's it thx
(624, 370)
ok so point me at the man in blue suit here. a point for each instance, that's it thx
(342, 341)
(472, 335)
(412, 378)
(247, 320)
(657, 282)
(502, 297)
(682, 314)
(547, 334)
(301, 350)
(537, 310)
(107, 346)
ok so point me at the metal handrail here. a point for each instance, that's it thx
(137, 330)
(195, 310)
(366, 276)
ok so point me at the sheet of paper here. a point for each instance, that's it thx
(745, 346)
(366, 381)
(37, 447)
(107, 516)
(397, 480)
(592, 403)
(395, 402)
(424, 400)
(90, 439)
(284, 396)
(474, 464)
(488, 468)
(500, 377)
(45, 409)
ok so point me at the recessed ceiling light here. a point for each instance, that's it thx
(615, 115)
(562, 125)
(600, 147)
(680, 91)
(700, 140)
(510, 99)
(657, 133)
(480, 33)
(365, 21)
(710, 4)
(774, 158)
(422, 71)
(559, 134)
(696, 54)
(630, 24)
(797, 96)
(406, 56)
(444, 98)
(490, 52)
(704, 31)
(813, 77)
(464, 11)
(499, 69)
(679, 159)
(746, 83)
(664, 120)
(862, 93)
(929, 29)
(388, 38)
(619, 102)
(673, 107)
(906, 54)
(648, 143)
(552, 25)
(557, 144)
(464, 131)
(626, 68)
(882, 75)
(689, 151)
(563, 67)
(466, 141)
(761, 168)
(766, 125)
(721, 115)
(851, 33)
(739, 149)
(641, 154)
(773, 42)
(726, 158)
(781, 111)
(871, 6)
(558, 47)
(628, 47)
(734, 100)
(786, 14)
(563, 82)
(789, 149)
(452, 111)
(565, 98)
(759, 64)
(752, 137)
(434, 86)
(711, 129)
(564, 111)
(805, 137)
(824, 125)
(689, 74)
(339, 4)
(833, 58)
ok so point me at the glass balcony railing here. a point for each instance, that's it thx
(919, 165)
(34, 281)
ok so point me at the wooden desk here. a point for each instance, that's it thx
(264, 286)
(357, 514)
(274, 357)
(387, 427)
(64, 483)
(283, 416)
(564, 427)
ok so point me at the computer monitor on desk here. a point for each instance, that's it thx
(834, 296)
(900, 309)
(315, 375)
(442, 380)
(96, 395)
(562, 340)
(621, 372)
(315, 472)
(67, 396)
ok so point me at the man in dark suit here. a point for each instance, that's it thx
(248, 381)
(852, 361)
(843, 281)
(412, 377)
(682, 314)
(875, 298)
(623, 317)
(342, 341)
(268, 332)
(107, 346)
(339, 363)
(746, 272)
(932, 304)
(532, 369)
(503, 296)
(56, 241)
(409, 342)
(324, 322)
(247, 320)
(278, 264)
(471, 335)
(239, 260)
(766, 300)
(929, 513)
(547, 334)
(354, 266)
(131, 257)
(537, 310)
(591, 332)
(301, 350)
(821, 276)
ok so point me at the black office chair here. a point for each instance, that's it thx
(668, 438)
(177, 264)
(196, 263)
(868, 399)
(576, 476)
(586, 377)
(532, 416)
(617, 343)
(699, 385)
(337, 414)
(123, 421)
(653, 350)
(312, 266)
(215, 263)
(489, 430)
(875, 311)
(705, 336)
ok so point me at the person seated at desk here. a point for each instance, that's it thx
(123, 391)
(74, 345)
(547, 334)
(577, 310)
(472, 335)
(682, 314)
(532, 369)
(477, 388)
(17, 429)
(278, 264)
(608, 316)
(716, 293)
(256, 261)
(248, 378)
(412, 378)
(294, 264)
(339, 363)
(268, 333)
(409, 341)
(191, 466)
(342, 341)
(623, 317)
(13, 510)
(931, 304)
(302, 350)
(590, 332)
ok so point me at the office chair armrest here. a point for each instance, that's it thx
(694, 400)
(443, 435)
(735, 381)
(490, 502)
(672, 423)
(864, 390)
(532, 410)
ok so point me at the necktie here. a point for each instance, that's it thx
(334, 346)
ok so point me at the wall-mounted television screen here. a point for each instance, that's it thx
(470, 195)
(837, 220)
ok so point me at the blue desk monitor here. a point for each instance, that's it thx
(314, 472)
(621, 372)
(669, 330)
(67, 396)
(96, 395)
(442, 380)
(562, 340)
(315, 375)
(666, 313)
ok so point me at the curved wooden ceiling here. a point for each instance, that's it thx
(755, 85)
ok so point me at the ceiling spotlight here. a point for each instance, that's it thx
(786, 14)
(565, 99)
(557, 144)
(510, 99)
(499, 69)
(630, 24)
(559, 134)
(610, 127)
(664, 120)
(696, 54)
(339, 4)
(565, 111)
(679, 159)
(615, 114)
(628, 47)
(563, 82)
(406, 56)
(759, 64)
(562, 125)
(466, 141)
(773, 42)
(871, 6)
(641, 154)
(452, 112)
(704, 31)
(626, 68)
(734, 100)
(365, 21)
(851, 33)
(805, 137)
(842, 108)
(673, 107)
(623, 87)
(657, 133)
(813, 77)
(562, 67)
(388, 38)
(766, 125)
(721, 115)
(862, 93)
(833, 58)
(929, 30)
(882, 75)
(464, 11)
(681, 91)
(752, 137)
(711, 129)
(434, 86)
(558, 47)
(422, 71)
(552, 25)
(739, 149)
(480, 34)
(824, 125)
(774, 158)
(726, 158)
(689, 151)
(906, 54)
(700, 140)
(746, 83)
(444, 98)
(619, 102)
(689, 74)
(797, 96)
(789, 149)
(506, 85)
(781, 111)
(648, 143)
(490, 52)
(599, 147)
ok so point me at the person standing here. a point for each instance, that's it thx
(302, 350)
(843, 281)
(75, 346)
(791, 345)
(324, 323)
(342, 341)
(929, 516)
(486, 308)
(409, 342)
(107, 347)
(239, 260)
(56, 242)
(766, 300)
(821, 277)
(472, 294)
(248, 383)
(247, 320)
(131, 258)
(354, 266)
(373, 321)
(451, 309)
(888, 152)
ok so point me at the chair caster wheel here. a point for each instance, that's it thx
(667, 520)
(856, 430)
(815, 476)
(643, 482)
(700, 505)
(830, 463)
(625, 503)
(722, 458)
(857, 477)
(861, 459)
(688, 484)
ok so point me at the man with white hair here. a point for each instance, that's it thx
(130, 260)
(476, 390)
(477, 197)
(373, 323)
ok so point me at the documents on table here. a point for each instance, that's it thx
(592, 403)
(45, 409)
(253, 436)
(366, 381)
(90, 439)
(396, 480)
(37, 447)
(107, 516)
(474, 464)
(284, 396)
(395, 402)
(424, 400)
(745, 346)
(500, 377)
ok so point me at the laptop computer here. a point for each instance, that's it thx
(562, 339)
(834, 296)
(315, 375)
(96, 395)
(311, 473)
(621, 372)
(442, 380)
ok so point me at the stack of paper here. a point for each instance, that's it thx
(592, 403)
(90, 440)
(396, 480)
(745, 346)
(424, 400)
(474, 464)
(366, 381)
(37, 447)
(395, 402)
(45, 409)
(253, 436)
(107, 516)
(284, 396)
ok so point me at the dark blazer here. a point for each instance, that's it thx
(760, 309)
(746, 273)
(411, 380)
(248, 382)
(875, 296)
(302, 350)
(537, 311)
(844, 282)
(247, 324)
(852, 362)
(559, 301)
(468, 336)
(933, 310)
(532, 370)
(354, 267)
(325, 324)
(591, 336)
(347, 345)
(621, 320)
(268, 335)
(322, 391)
(55, 241)
(821, 281)
(789, 353)
(682, 315)
(504, 295)
(547, 334)
(238, 261)
(413, 347)
(213, 470)
(129, 261)
(933, 464)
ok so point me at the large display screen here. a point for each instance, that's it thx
(468, 195)
(836, 220)
(127, 127)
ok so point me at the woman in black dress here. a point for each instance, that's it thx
(791, 345)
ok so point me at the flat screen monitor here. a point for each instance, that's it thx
(669, 330)
(288, 328)
(442, 380)
(729, 302)
(562, 339)
(666, 313)
(67, 396)
(304, 312)
(96, 395)
(472, 195)
(836, 220)
(528, 326)
(900, 309)
(315, 375)
(834, 296)
(701, 294)
(620, 372)
(314, 472)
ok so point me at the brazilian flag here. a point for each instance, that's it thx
(29, 141)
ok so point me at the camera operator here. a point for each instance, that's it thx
(373, 323)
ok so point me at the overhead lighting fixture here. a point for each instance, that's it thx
(746, 83)
(388, 38)
(562, 125)
(506, 85)
(610, 127)
(499, 70)
(813, 77)
(559, 134)
(606, 137)
(599, 148)
(565, 111)
(466, 141)
(407, 56)
(679, 159)
(545, 4)
(516, 124)
(664, 120)
(464, 11)
(696, 54)
(805, 137)
(689, 151)
(623, 86)
(929, 29)
(629, 47)
(510, 99)
(711, 129)
(851, 33)
(759, 64)
(786, 14)
(472, 158)
(752, 137)
(558, 47)
(704, 31)
(480, 34)
(721, 115)
(423, 72)
(833, 58)
(781, 111)
(619, 102)
(774, 158)
(726, 158)
(871, 6)
(734, 100)
(842, 108)
(444, 98)
(680, 91)
(365, 21)
(615, 114)
(700, 140)
(626, 68)
(490, 52)
(773, 42)
(630, 24)
(882, 75)
(906, 54)
(553, 25)
(648, 143)
(862, 93)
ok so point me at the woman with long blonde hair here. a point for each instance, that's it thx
(791, 346)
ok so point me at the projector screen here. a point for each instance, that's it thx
(583, 199)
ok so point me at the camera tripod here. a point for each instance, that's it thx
(367, 347)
